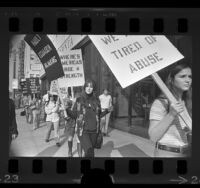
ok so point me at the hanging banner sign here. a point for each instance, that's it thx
(47, 54)
(72, 63)
(132, 58)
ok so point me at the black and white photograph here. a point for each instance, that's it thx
(100, 96)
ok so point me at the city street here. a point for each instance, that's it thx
(31, 143)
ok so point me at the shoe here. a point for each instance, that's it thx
(58, 144)
(46, 140)
(79, 149)
(70, 154)
(104, 134)
(70, 148)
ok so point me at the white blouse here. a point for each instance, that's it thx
(172, 136)
(106, 101)
(52, 112)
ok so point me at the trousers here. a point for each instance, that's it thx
(87, 140)
(51, 126)
(105, 122)
(36, 119)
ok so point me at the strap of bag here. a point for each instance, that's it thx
(99, 120)
(182, 132)
(99, 123)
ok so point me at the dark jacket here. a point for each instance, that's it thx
(87, 106)
(12, 118)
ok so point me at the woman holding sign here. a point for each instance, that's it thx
(167, 129)
(87, 112)
(52, 119)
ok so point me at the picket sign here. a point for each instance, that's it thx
(60, 96)
(184, 116)
(131, 56)
(72, 92)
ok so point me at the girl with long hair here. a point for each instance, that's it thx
(167, 129)
(87, 112)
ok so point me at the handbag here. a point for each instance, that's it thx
(99, 139)
(23, 113)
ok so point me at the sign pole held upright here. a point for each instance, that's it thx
(184, 116)
(72, 92)
(61, 99)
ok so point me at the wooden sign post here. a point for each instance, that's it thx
(72, 92)
(184, 116)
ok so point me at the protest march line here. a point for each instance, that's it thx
(48, 55)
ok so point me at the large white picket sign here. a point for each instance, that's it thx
(73, 68)
(132, 58)
(54, 89)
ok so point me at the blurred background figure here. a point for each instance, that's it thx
(52, 119)
(30, 114)
(45, 100)
(26, 106)
(13, 132)
(106, 103)
(35, 107)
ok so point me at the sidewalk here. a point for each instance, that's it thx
(137, 128)
(31, 143)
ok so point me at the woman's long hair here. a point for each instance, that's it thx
(187, 95)
(92, 96)
(87, 82)
(54, 98)
(90, 81)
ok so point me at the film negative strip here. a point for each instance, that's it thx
(100, 94)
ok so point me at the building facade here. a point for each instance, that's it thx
(33, 66)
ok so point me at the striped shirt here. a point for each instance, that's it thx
(172, 137)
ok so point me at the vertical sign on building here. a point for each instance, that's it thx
(23, 85)
(15, 84)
